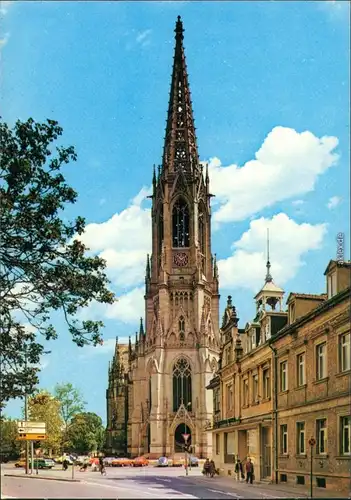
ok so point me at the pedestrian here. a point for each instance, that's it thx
(102, 466)
(212, 468)
(206, 469)
(249, 471)
(239, 470)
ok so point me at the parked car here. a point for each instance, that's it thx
(163, 462)
(38, 463)
(108, 461)
(193, 461)
(121, 462)
(140, 462)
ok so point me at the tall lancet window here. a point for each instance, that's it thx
(160, 233)
(180, 220)
(181, 329)
(181, 384)
(201, 230)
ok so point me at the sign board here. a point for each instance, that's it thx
(186, 437)
(31, 437)
(31, 427)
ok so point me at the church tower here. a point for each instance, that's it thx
(174, 359)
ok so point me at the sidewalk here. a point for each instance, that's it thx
(269, 488)
(42, 476)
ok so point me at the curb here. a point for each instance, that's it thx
(45, 478)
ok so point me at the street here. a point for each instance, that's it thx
(148, 482)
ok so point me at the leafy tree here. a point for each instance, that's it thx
(86, 433)
(43, 407)
(9, 446)
(71, 401)
(43, 268)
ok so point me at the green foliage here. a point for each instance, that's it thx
(9, 446)
(86, 433)
(43, 268)
(70, 399)
(43, 407)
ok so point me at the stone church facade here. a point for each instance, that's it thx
(158, 393)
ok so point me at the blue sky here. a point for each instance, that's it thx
(270, 89)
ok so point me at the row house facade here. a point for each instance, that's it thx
(283, 380)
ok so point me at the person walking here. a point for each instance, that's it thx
(239, 470)
(102, 466)
(249, 471)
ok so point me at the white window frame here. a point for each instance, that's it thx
(332, 289)
(283, 376)
(344, 352)
(255, 388)
(345, 428)
(301, 438)
(284, 439)
(321, 433)
(301, 369)
(321, 361)
(266, 383)
(246, 391)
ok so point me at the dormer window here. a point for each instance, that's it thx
(253, 339)
(331, 285)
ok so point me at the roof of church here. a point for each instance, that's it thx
(180, 147)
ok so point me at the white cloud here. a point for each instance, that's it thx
(4, 7)
(123, 240)
(333, 202)
(289, 241)
(143, 38)
(4, 40)
(297, 203)
(129, 308)
(287, 165)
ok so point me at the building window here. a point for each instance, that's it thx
(181, 326)
(284, 439)
(255, 388)
(246, 392)
(331, 285)
(160, 233)
(180, 219)
(181, 384)
(284, 376)
(229, 396)
(321, 368)
(345, 435)
(301, 369)
(266, 384)
(344, 352)
(201, 230)
(217, 444)
(300, 431)
(229, 454)
(321, 432)
(216, 400)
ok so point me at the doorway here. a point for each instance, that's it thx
(179, 439)
(266, 468)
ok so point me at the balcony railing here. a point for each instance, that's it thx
(216, 423)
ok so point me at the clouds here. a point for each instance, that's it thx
(107, 348)
(123, 241)
(333, 202)
(287, 165)
(289, 242)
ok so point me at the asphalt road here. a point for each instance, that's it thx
(127, 483)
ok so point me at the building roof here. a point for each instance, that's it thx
(311, 296)
(326, 304)
(334, 263)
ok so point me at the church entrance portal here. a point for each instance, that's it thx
(178, 437)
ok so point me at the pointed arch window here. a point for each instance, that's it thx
(160, 231)
(181, 325)
(181, 384)
(201, 230)
(180, 224)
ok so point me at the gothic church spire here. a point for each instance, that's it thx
(180, 148)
